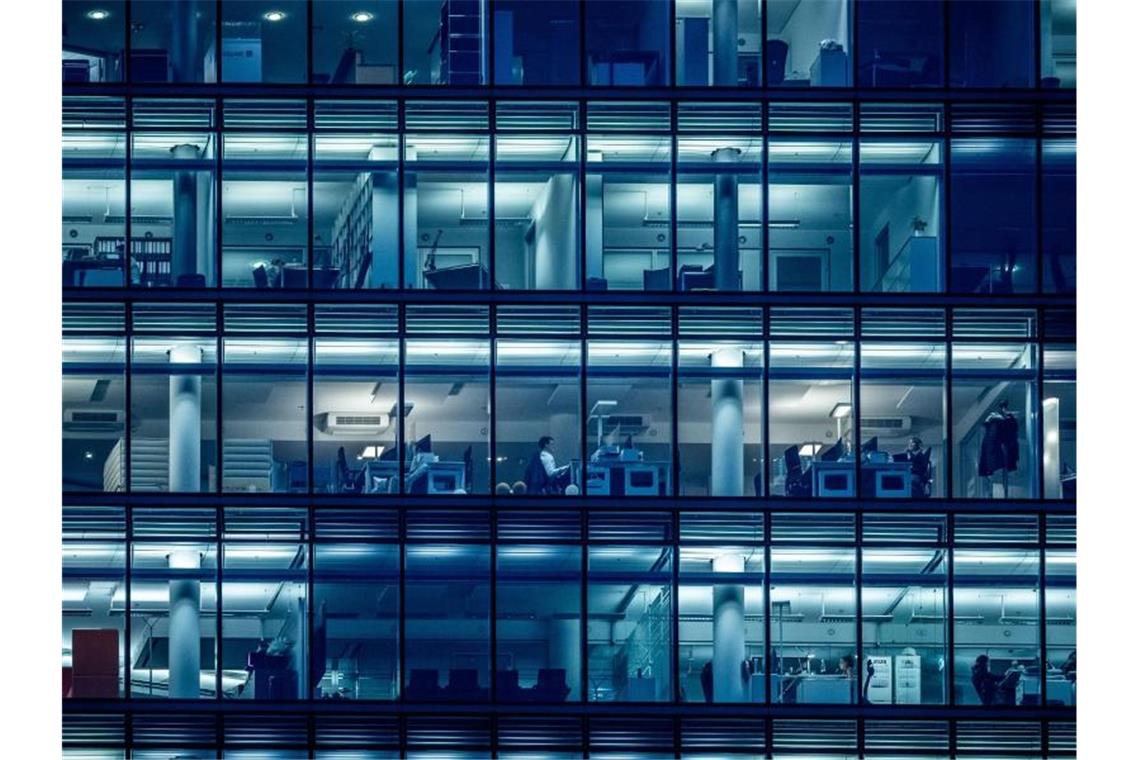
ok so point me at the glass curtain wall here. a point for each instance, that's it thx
(901, 44)
(264, 41)
(175, 42)
(445, 43)
(719, 43)
(808, 44)
(1059, 215)
(94, 34)
(627, 43)
(536, 44)
(1061, 627)
(992, 44)
(1059, 422)
(355, 42)
(94, 596)
(93, 210)
(94, 414)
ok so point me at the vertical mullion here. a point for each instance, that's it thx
(584, 601)
(126, 63)
(769, 652)
(128, 254)
(672, 247)
(1042, 607)
(401, 179)
(492, 402)
(216, 181)
(947, 201)
(1039, 204)
(581, 137)
(583, 400)
(402, 626)
(856, 205)
(675, 623)
(309, 145)
(401, 377)
(1038, 430)
(492, 243)
(951, 697)
(859, 653)
(128, 560)
(493, 658)
(765, 191)
(766, 459)
(219, 529)
(219, 383)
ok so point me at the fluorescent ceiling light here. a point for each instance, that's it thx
(98, 14)
(362, 17)
(274, 16)
(841, 410)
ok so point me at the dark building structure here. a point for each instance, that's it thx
(557, 379)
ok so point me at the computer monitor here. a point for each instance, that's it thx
(423, 445)
(834, 453)
(869, 446)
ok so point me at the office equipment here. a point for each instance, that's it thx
(879, 688)
(826, 689)
(507, 687)
(294, 276)
(463, 686)
(656, 279)
(829, 68)
(908, 679)
(691, 277)
(462, 277)
(241, 53)
(95, 663)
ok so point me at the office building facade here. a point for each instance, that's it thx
(640, 379)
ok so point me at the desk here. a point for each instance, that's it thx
(614, 477)
(886, 480)
(383, 476)
(462, 277)
(812, 689)
(832, 479)
(93, 273)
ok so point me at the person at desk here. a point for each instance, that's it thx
(543, 475)
(919, 459)
(991, 688)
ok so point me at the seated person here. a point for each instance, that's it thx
(993, 689)
(542, 473)
(920, 476)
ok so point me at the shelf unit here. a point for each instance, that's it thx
(152, 255)
(352, 235)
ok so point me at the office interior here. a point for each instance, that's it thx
(716, 43)
(234, 616)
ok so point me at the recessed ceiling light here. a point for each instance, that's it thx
(98, 14)
(362, 17)
(274, 16)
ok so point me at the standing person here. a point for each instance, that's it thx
(543, 475)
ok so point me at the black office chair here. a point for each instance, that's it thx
(797, 482)
(260, 277)
(921, 477)
(507, 686)
(423, 685)
(551, 686)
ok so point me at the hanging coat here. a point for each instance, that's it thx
(999, 444)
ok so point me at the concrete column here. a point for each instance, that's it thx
(556, 234)
(184, 258)
(185, 636)
(384, 271)
(727, 476)
(411, 224)
(724, 29)
(728, 632)
(1051, 456)
(564, 644)
(726, 218)
(594, 243)
(185, 449)
(184, 63)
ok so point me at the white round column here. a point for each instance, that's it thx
(185, 450)
(727, 476)
(728, 632)
(185, 636)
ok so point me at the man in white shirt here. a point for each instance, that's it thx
(543, 475)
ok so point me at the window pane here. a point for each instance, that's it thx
(537, 387)
(630, 625)
(904, 625)
(1061, 631)
(173, 197)
(993, 212)
(94, 414)
(1058, 43)
(808, 44)
(627, 42)
(721, 624)
(445, 43)
(354, 42)
(174, 414)
(719, 43)
(94, 205)
(991, 44)
(264, 415)
(719, 399)
(539, 623)
(356, 625)
(93, 601)
(264, 42)
(447, 623)
(356, 422)
(809, 216)
(536, 43)
(718, 221)
(447, 403)
(536, 229)
(173, 42)
(1059, 215)
(813, 627)
(93, 33)
(629, 422)
(900, 44)
(900, 186)
(1059, 420)
(996, 628)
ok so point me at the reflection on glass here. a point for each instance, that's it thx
(263, 42)
(991, 44)
(904, 626)
(356, 624)
(630, 638)
(264, 415)
(536, 43)
(174, 414)
(355, 417)
(900, 44)
(809, 216)
(447, 623)
(721, 624)
(92, 652)
(173, 41)
(718, 42)
(808, 44)
(445, 42)
(355, 42)
(539, 623)
(94, 415)
(174, 604)
(719, 426)
(93, 33)
(813, 627)
(996, 628)
(627, 43)
(900, 223)
(1059, 215)
(173, 199)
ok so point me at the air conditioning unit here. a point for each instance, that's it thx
(885, 426)
(353, 423)
(93, 420)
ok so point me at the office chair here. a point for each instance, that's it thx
(423, 685)
(921, 476)
(507, 686)
(796, 482)
(551, 685)
(260, 277)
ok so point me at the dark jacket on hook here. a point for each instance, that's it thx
(999, 444)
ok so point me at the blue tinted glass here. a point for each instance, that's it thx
(263, 42)
(445, 43)
(627, 42)
(1058, 43)
(992, 210)
(354, 42)
(1059, 214)
(991, 44)
(900, 44)
(809, 43)
(93, 41)
(536, 43)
